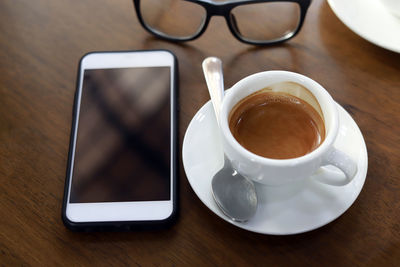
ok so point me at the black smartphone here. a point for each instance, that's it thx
(122, 164)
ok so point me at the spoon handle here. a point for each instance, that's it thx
(212, 68)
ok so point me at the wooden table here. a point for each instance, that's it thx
(41, 43)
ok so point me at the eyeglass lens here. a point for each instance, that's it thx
(173, 18)
(266, 21)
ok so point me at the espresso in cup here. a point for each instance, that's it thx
(277, 125)
(274, 155)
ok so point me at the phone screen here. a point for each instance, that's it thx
(123, 142)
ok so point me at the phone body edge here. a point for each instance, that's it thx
(127, 225)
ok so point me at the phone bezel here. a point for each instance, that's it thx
(108, 213)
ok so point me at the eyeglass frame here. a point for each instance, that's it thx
(224, 9)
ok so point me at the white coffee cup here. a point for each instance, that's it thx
(283, 171)
(393, 6)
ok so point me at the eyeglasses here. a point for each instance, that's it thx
(254, 22)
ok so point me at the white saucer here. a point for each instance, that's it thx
(282, 210)
(371, 20)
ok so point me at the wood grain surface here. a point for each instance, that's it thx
(41, 43)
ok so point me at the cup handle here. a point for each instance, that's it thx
(342, 161)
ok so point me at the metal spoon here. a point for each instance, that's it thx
(234, 194)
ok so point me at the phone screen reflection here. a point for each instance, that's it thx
(122, 150)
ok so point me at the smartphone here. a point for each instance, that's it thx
(122, 163)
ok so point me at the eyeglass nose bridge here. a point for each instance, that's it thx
(216, 9)
(220, 12)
